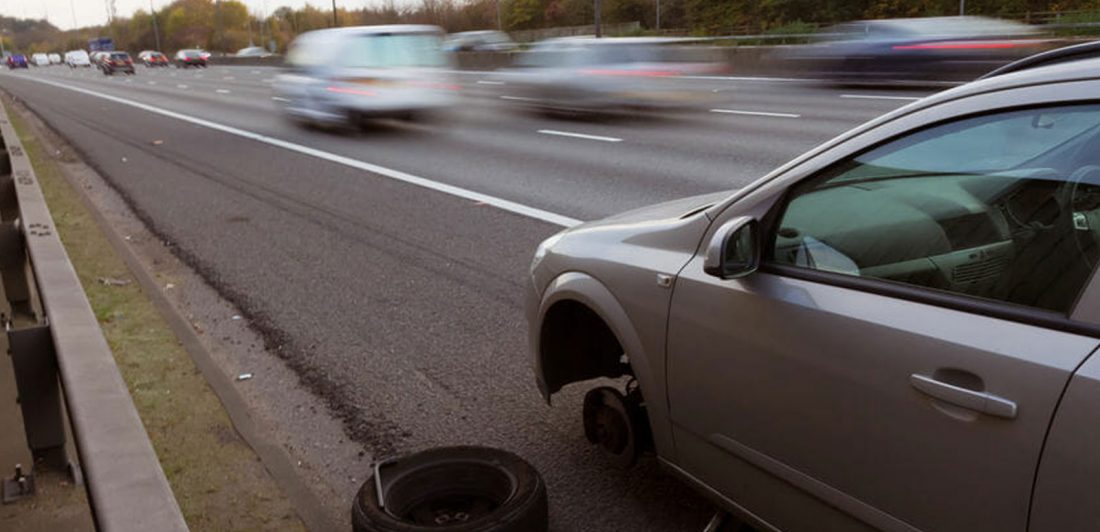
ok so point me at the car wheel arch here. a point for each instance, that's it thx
(573, 291)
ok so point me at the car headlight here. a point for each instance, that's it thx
(544, 247)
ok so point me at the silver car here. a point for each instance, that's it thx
(347, 75)
(894, 331)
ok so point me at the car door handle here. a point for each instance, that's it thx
(984, 402)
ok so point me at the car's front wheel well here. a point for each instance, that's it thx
(576, 344)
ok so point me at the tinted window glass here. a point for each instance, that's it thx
(1004, 207)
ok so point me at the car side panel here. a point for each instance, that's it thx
(1067, 490)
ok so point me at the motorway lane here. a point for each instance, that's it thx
(403, 306)
(496, 149)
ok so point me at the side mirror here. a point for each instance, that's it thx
(733, 251)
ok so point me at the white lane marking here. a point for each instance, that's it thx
(278, 99)
(486, 82)
(151, 82)
(578, 135)
(255, 72)
(268, 80)
(517, 98)
(229, 78)
(755, 113)
(222, 91)
(181, 86)
(879, 97)
(477, 197)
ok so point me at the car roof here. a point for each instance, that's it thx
(389, 28)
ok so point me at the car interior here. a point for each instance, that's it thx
(1020, 226)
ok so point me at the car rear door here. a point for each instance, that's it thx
(897, 362)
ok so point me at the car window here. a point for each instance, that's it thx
(998, 207)
(393, 50)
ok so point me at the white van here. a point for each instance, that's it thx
(77, 58)
(348, 75)
(40, 60)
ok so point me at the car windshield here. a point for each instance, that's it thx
(384, 50)
(191, 54)
(121, 56)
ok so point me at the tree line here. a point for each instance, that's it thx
(228, 25)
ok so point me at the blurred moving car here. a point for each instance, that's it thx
(253, 51)
(116, 62)
(190, 58)
(348, 75)
(97, 57)
(77, 58)
(40, 59)
(153, 58)
(935, 48)
(55, 59)
(605, 75)
(910, 308)
(479, 41)
(17, 61)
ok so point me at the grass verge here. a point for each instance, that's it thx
(218, 480)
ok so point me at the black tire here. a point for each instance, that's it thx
(454, 489)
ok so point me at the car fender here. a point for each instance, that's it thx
(589, 291)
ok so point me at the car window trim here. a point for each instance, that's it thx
(989, 308)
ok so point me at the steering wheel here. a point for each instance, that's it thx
(1084, 210)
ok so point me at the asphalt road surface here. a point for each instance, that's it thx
(401, 304)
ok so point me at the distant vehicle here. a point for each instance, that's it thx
(55, 59)
(190, 58)
(479, 41)
(40, 60)
(350, 75)
(116, 62)
(17, 61)
(934, 48)
(866, 337)
(253, 51)
(77, 58)
(97, 57)
(605, 75)
(152, 58)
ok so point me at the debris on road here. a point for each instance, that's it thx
(110, 281)
(244, 376)
(157, 142)
(236, 317)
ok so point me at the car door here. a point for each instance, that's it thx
(896, 361)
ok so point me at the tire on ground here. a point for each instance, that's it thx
(454, 489)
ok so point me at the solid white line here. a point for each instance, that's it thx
(181, 86)
(578, 135)
(278, 99)
(755, 113)
(500, 203)
(229, 78)
(222, 91)
(517, 98)
(152, 82)
(484, 82)
(879, 97)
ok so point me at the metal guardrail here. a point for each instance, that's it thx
(54, 337)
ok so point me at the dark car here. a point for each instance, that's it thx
(17, 61)
(152, 58)
(190, 58)
(934, 48)
(116, 62)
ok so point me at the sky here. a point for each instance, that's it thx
(94, 12)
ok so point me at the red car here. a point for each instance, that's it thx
(190, 58)
(151, 58)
